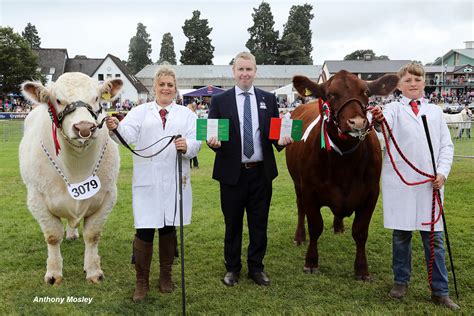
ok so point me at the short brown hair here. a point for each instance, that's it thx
(413, 68)
(246, 56)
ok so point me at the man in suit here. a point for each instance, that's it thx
(245, 167)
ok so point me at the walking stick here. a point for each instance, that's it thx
(428, 138)
(181, 236)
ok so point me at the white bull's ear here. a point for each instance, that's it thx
(35, 92)
(110, 89)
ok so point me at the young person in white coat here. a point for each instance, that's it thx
(155, 180)
(407, 207)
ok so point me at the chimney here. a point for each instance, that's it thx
(469, 44)
(368, 57)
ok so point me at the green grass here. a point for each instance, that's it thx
(333, 291)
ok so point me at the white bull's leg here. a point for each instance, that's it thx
(92, 228)
(53, 232)
(71, 233)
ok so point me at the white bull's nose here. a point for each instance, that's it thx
(84, 129)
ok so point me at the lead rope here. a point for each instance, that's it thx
(435, 197)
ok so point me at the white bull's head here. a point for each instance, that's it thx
(74, 103)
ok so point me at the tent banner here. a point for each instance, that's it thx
(207, 128)
(283, 127)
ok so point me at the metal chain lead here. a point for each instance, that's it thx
(60, 172)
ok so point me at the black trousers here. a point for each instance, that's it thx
(148, 234)
(251, 194)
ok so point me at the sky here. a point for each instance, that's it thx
(417, 30)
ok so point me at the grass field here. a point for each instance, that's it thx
(333, 291)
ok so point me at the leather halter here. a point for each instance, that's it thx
(335, 116)
(71, 107)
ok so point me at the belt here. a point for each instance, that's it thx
(250, 165)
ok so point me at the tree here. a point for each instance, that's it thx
(198, 49)
(298, 23)
(292, 51)
(167, 53)
(18, 62)
(139, 50)
(359, 55)
(263, 38)
(31, 35)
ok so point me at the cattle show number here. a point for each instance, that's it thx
(85, 189)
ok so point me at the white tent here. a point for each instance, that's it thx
(287, 92)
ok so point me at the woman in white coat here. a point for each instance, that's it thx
(155, 180)
(407, 207)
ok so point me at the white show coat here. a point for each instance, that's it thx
(155, 180)
(466, 115)
(407, 207)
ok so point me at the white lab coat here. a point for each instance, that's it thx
(407, 207)
(466, 115)
(155, 180)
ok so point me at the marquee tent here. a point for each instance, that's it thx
(204, 92)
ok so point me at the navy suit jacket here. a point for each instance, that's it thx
(227, 164)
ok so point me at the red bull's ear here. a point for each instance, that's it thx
(383, 86)
(35, 92)
(308, 88)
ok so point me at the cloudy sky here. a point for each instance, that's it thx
(419, 30)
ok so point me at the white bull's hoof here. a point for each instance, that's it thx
(72, 233)
(95, 277)
(53, 279)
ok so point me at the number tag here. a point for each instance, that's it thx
(85, 189)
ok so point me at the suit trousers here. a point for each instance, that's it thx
(252, 194)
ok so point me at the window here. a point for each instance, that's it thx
(109, 76)
(117, 75)
(100, 77)
(52, 70)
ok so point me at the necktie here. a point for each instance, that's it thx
(414, 106)
(163, 113)
(248, 137)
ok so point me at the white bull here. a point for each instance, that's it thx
(81, 145)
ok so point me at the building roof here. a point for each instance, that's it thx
(365, 66)
(225, 71)
(52, 58)
(83, 64)
(468, 52)
(123, 68)
(435, 69)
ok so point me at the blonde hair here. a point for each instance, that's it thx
(246, 56)
(163, 71)
(413, 68)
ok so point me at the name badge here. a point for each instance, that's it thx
(85, 189)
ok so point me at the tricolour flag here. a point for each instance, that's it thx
(283, 127)
(207, 128)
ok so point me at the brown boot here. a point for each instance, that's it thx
(398, 291)
(143, 253)
(167, 252)
(444, 301)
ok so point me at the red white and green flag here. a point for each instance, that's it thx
(283, 127)
(207, 128)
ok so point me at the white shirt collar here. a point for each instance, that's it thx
(239, 91)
